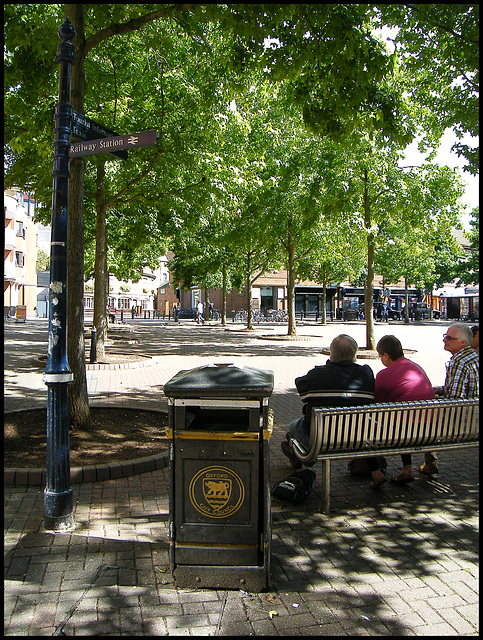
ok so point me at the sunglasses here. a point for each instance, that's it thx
(447, 337)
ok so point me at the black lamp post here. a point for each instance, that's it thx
(57, 376)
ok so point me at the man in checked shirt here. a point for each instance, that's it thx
(462, 376)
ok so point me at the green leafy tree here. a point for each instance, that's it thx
(337, 254)
(204, 259)
(468, 269)
(294, 208)
(438, 47)
(394, 207)
(30, 99)
(43, 260)
(173, 95)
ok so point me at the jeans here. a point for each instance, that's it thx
(299, 431)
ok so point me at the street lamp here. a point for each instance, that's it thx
(57, 375)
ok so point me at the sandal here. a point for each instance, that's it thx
(375, 484)
(402, 478)
(428, 470)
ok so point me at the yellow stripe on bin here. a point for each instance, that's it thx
(212, 545)
(213, 435)
(267, 433)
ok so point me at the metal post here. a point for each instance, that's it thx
(58, 503)
(93, 352)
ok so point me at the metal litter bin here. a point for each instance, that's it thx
(219, 503)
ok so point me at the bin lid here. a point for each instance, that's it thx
(220, 381)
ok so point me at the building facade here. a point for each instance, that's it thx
(20, 255)
(132, 299)
(343, 301)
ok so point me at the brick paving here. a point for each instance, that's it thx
(401, 561)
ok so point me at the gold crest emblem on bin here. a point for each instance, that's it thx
(216, 492)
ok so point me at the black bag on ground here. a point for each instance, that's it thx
(359, 466)
(296, 487)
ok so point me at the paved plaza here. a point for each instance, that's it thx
(401, 561)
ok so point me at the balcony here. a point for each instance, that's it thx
(9, 214)
(10, 239)
(9, 271)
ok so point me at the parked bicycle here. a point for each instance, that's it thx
(241, 316)
(277, 315)
(258, 316)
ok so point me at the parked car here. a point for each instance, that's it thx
(394, 314)
(422, 311)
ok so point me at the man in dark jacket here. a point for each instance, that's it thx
(339, 383)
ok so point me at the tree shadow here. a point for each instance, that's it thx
(375, 544)
(347, 571)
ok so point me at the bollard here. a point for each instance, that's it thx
(93, 357)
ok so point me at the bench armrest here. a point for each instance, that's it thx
(308, 456)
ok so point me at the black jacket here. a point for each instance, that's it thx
(336, 384)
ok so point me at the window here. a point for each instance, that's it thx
(124, 303)
(20, 230)
(19, 259)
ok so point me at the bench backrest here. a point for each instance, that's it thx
(393, 425)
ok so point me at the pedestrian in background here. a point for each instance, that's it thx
(200, 310)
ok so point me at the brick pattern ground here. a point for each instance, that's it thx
(402, 561)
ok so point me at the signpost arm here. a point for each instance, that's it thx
(58, 503)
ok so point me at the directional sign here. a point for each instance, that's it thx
(90, 127)
(86, 129)
(116, 143)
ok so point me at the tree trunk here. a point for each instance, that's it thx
(324, 301)
(206, 309)
(292, 329)
(369, 288)
(223, 297)
(100, 274)
(78, 399)
(406, 302)
(249, 295)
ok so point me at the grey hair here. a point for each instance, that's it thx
(343, 348)
(463, 331)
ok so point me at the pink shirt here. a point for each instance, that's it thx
(403, 380)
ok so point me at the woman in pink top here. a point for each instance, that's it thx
(401, 380)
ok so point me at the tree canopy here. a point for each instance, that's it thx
(312, 83)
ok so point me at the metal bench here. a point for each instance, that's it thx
(387, 429)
